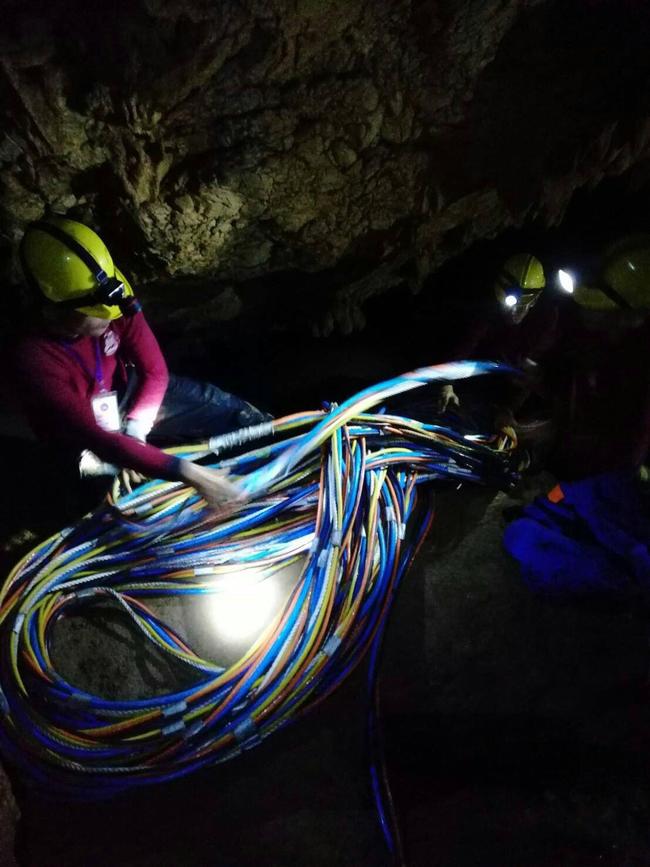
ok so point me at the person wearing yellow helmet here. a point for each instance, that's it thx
(620, 285)
(69, 369)
(69, 266)
(600, 370)
(515, 329)
(591, 533)
(519, 286)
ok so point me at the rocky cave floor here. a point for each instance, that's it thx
(516, 734)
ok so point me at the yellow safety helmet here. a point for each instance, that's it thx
(70, 266)
(624, 280)
(521, 279)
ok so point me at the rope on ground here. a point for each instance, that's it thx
(345, 493)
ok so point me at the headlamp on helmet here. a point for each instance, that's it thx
(566, 281)
(514, 296)
(110, 291)
(520, 282)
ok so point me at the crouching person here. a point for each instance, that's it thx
(88, 375)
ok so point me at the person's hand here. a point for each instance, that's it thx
(137, 428)
(504, 419)
(446, 397)
(131, 479)
(90, 466)
(221, 494)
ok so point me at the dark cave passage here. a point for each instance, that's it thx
(273, 358)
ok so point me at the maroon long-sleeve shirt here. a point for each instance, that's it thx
(53, 381)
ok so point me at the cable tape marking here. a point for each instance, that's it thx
(89, 591)
(246, 733)
(174, 727)
(238, 437)
(331, 645)
(173, 709)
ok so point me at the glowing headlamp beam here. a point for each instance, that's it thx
(566, 281)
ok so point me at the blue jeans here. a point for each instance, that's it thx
(192, 411)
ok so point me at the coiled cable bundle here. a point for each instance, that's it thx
(345, 493)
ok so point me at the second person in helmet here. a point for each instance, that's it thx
(516, 325)
(88, 373)
(599, 371)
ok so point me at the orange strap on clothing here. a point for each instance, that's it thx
(555, 495)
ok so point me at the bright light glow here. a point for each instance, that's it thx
(244, 605)
(566, 281)
(510, 300)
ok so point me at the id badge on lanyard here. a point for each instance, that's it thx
(106, 410)
(104, 405)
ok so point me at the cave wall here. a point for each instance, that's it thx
(357, 144)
